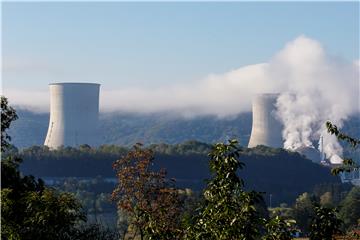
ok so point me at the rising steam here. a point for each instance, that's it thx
(321, 88)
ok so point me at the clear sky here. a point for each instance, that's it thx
(155, 44)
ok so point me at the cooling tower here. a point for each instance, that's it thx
(266, 129)
(74, 112)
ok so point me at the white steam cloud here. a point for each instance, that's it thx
(321, 88)
(314, 87)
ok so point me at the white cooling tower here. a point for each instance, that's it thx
(266, 128)
(74, 113)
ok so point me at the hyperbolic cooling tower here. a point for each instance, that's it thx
(74, 112)
(266, 129)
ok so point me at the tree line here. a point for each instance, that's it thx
(275, 171)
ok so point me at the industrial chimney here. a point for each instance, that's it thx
(74, 112)
(266, 128)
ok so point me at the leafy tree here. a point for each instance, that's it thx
(350, 208)
(348, 164)
(8, 115)
(324, 224)
(282, 211)
(228, 212)
(152, 205)
(279, 229)
(29, 210)
(39, 215)
(303, 211)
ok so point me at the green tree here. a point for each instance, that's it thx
(324, 224)
(29, 210)
(303, 211)
(228, 212)
(350, 208)
(8, 115)
(348, 164)
(279, 229)
(39, 215)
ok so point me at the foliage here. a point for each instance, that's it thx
(39, 215)
(335, 192)
(352, 235)
(151, 203)
(94, 194)
(273, 165)
(303, 211)
(348, 164)
(282, 211)
(279, 229)
(29, 210)
(324, 224)
(8, 115)
(346, 198)
(333, 129)
(350, 208)
(185, 148)
(228, 211)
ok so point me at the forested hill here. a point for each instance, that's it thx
(283, 174)
(128, 128)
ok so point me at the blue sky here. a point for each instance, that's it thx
(127, 45)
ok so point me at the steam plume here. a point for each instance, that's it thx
(322, 88)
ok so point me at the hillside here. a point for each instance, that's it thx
(283, 174)
(128, 128)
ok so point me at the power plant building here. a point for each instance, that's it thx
(74, 114)
(266, 128)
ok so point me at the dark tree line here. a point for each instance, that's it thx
(275, 171)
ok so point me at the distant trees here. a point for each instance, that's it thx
(318, 216)
(331, 193)
(273, 165)
(350, 209)
(303, 211)
(94, 195)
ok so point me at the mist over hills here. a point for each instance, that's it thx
(128, 128)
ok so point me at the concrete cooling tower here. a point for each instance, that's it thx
(266, 129)
(74, 112)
